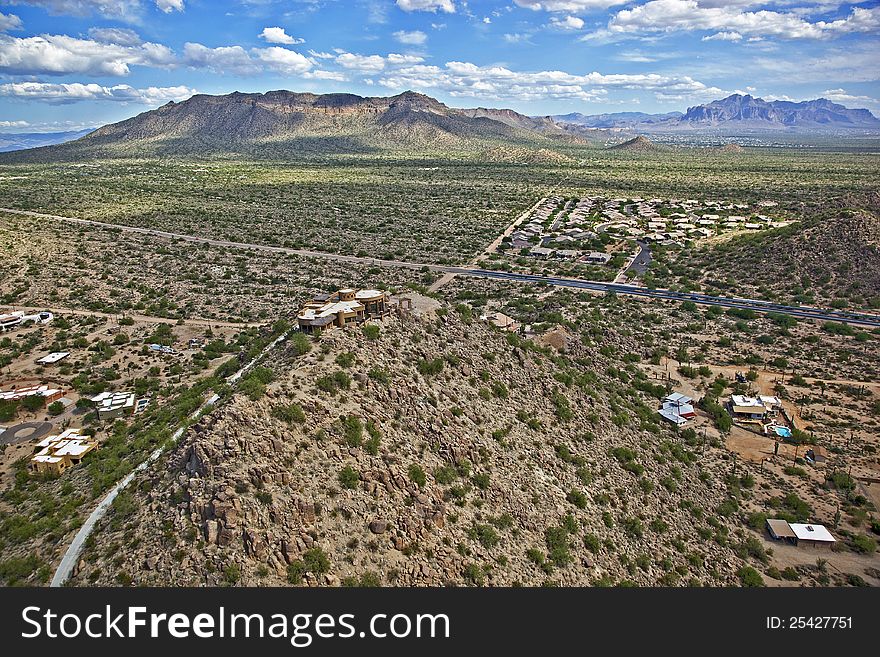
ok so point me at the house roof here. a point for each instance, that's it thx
(672, 416)
(812, 533)
(740, 400)
(679, 409)
(53, 357)
(780, 528)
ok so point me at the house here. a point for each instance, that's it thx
(597, 258)
(541, 252)
(817, 454)
(566, 254)
(48, 394)
(812, 535)
(111, 405)
(347, 306)
(57, 453)
(753, 408)
(163, 349)
(677, 408)
(9, 321)
(53, 358)
(500, 320)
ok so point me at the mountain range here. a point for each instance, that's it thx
(282, 124)
(16, 141)
(737, 113)
(285, 124)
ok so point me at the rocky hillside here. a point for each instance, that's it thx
(828, 260)
(284, 124)
(440, 452)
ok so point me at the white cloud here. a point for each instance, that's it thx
(121, 9)
(76, 91)
(126, 10)
(225, 59)
(9, 22)
(14, 124)
(236, 60)
(168, 6)
(723, 36)
(283, 60)
(325, 75)
(414, 38)
(375, 63)
(447, 6)
(850, 63)
(278, 35)
(60, 54)
(119, 35)
(841, 96)
(567, 24)
(517, 37)
(363, 63)
(568, 6)
(463, 79)
(690, 15)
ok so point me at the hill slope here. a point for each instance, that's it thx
(832, 259)
(287, 124)
(637, 145)
(448, 456)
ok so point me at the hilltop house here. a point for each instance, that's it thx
(347, 306)
(57, 453)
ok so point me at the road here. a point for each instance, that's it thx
(802, 312)
(74, 550)
(642, 260)
(757, 305)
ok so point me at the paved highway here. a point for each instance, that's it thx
(803, 312)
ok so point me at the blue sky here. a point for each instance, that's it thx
(66, 64)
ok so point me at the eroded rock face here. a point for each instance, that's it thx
(465, 472)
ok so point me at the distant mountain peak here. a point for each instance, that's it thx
(738, 112)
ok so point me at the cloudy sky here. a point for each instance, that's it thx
(67, 64)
